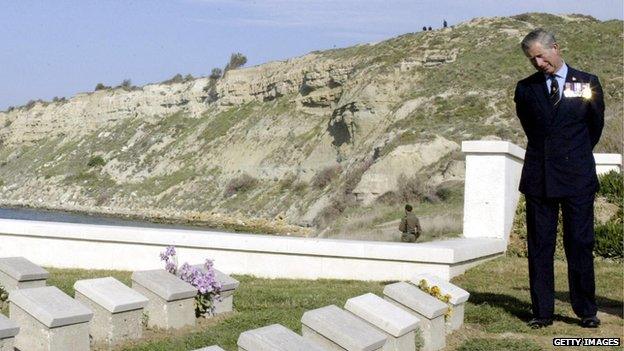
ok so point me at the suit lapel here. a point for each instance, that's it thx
(539, 89)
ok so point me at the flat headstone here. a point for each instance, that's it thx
(416, 299)
(227, 282)
(343, 329)
(457, 294)
(51, 306)
(164, 284)
(22, 269)
(111, 294)
(382, 314)
(210, 348)
(274, 337)
(8, 328)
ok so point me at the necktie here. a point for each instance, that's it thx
(554, 91)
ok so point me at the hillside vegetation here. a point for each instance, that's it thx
(320, 140)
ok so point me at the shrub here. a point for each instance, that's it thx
(610, 239)
(96, 161)
(323, 177)
(175, 79)
(100, 86)
(236, 60)
(612, 186)
(241, 183)
(215, 74)
(415, 189)
(336, 207)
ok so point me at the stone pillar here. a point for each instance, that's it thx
(335, 329)
(457, 301)
(20, 273)
(171, 300)
(49, 320)
(427, 308)
(399, 325)
(8, 330)
(118, 310)
(491, 187)
(274, 337)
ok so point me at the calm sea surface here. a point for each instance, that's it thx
(57, 216)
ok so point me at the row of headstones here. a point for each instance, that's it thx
(104, 309)
(369, 322)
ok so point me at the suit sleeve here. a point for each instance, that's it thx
(595, 117)
(521, 108)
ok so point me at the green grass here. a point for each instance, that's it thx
(495, 314)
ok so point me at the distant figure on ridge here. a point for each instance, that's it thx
(429, 28)
(424, 28)
(410, 226)
(444, 24)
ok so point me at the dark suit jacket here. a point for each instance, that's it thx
(559, 160)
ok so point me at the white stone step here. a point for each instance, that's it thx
(337, 329)
(274, 337)
(8, 330)
(117, 309)
(171, 300)
(429, 309)
(20, 273)
(399, 325)
(49, 319)
(458, 298)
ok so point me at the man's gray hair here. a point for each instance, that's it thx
(542, 36)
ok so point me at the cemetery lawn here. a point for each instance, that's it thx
(495, 315)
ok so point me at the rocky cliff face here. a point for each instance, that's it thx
(285, 139)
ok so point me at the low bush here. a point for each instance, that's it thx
(96, 161)
(612, 186)
(337, 205)
(610, 240)
(323, 177)
(415, 189)
(241, 183)
(100, 86)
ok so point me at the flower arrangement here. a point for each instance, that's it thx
(435, 292)
(203, 279)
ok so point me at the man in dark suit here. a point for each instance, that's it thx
(562, 113)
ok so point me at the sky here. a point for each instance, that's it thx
(60, 48)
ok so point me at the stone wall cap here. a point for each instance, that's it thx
(493, 147)
(416, 299)
(227, 283)
(609, 159)
(344, 329)
(111, 294)
(50, 306)
(382, 314)
(275, 337)
(8, 328)
(164, 284)
(21, 269)
(458, 295)
(210, 348)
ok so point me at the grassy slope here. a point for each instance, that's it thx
(495, 315)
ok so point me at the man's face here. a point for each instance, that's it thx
(544, 59)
